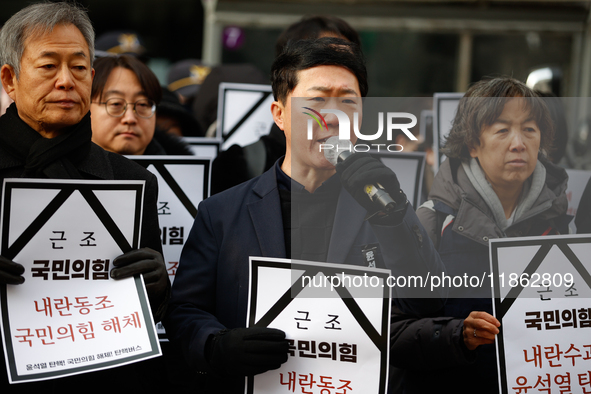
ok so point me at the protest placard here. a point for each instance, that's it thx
(577, 180)
(409, 168)
(183, 182)
(243, 113)
(338, 332)
(69, 316)
(444, 111)
(542, 292)
(203, 147)
(426, 124)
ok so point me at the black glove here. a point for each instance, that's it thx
(362, 169)
(246, 351)
(144, 261)
(11, 273)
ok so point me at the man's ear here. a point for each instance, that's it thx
(278, 111)
(8, 78)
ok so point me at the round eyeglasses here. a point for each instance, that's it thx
(116, 107)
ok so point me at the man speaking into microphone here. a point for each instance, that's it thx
(302, 208)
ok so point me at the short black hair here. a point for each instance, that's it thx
(103, 67)
(305, 54)
(314, 26)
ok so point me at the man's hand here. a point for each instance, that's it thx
(247, 351)
(143, 261)
(11, 273)
(362, 169)
(480, 328)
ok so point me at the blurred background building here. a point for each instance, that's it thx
(412, 47)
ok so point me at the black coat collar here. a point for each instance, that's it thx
(96, 164)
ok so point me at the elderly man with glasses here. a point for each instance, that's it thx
(46, 53)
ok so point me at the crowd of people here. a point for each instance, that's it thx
(74, 114)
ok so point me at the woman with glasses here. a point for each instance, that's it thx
(125, 93)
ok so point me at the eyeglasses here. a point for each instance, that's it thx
(116, 107)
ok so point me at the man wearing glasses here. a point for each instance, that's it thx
(124, 97)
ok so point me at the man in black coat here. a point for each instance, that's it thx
(46, 52)
(302, 208)
(125, 93)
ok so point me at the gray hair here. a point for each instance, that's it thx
(36, 20)
(483, 103)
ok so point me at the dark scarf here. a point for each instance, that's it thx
(45, 157)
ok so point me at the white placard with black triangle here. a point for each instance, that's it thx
(69, 317)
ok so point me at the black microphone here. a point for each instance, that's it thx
(336, 151)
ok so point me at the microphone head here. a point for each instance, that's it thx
(338, 147)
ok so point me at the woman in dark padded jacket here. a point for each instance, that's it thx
(495, 183)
